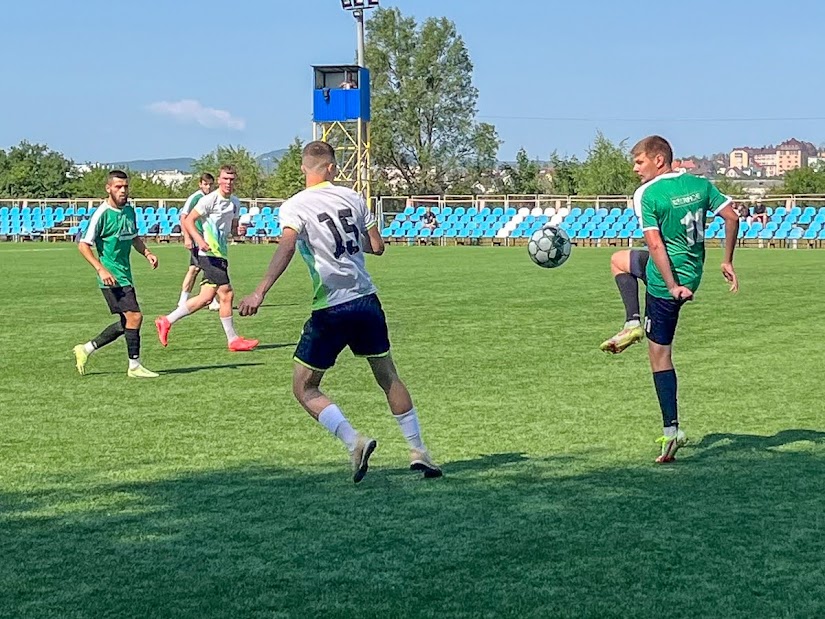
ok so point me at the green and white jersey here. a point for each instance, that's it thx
(111, 232)
(217, 214)
(331, 223)
(676, 204)
(191, 201)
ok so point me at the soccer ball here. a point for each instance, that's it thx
(549, 247)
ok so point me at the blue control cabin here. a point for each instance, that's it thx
(341, 94)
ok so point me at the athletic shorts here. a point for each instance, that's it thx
(638, 264)
(661, 318)
(193, 257)
(215, 271)
(121, 299)
(359, 324)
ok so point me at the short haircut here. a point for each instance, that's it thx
(206, 177)
(318, 155)
(228, 168)
(119, 174)
(654, 145)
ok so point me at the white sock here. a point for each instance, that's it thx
(184, 297)
(333, 420)
(179, 313)
(134, 363)
(630, 324)
(410, 429)
(229, 328)
(89, 348)
(671, 431)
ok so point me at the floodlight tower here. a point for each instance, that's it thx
(341, 109)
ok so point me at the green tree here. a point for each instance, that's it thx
(803, 180)
(729, 187)
(423, 102)
(607, 170)
(287, 178)
(250, 178)
(92, 184)
(565, 173)
(524, 177)
(34, 171)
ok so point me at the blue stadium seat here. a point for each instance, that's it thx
(766, 235)
(447, 211)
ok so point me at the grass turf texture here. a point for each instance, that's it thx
(209, 493)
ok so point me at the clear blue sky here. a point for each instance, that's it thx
(101, 83)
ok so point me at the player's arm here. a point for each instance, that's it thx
(140, 247)
(723, 207)
(187, 239)
(280, 261)
(658, 254)
(189, 225)
(85, 249)
(375, 242)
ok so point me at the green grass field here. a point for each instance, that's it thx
(209, 493)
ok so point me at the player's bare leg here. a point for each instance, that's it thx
(628, 284)
(664, 378)
(401, 406)
(188, 284)
(306, 388)
(236, 343)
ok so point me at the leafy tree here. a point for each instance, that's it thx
(564, 175)
(524, 177)
(607, 170)
(92, 184)
(803, 180)
(250, 178)
(34, 171)
(423, 102)
(287, 178)
(729, 187)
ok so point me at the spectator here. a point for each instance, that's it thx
(760, 214)
(429, 220)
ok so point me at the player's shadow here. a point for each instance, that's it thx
(722, 444)
(276, 346)
(205, 368)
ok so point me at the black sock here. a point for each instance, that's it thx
(108, 335)
(133, 343)
(666, 391)
(629, 289)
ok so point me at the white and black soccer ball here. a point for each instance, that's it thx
(549, 247)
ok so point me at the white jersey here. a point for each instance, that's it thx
(217, 214)
(331, 223)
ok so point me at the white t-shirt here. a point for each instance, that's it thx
(217, 214)
(331, 223)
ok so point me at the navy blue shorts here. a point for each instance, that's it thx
(661, 318)
(359, 324)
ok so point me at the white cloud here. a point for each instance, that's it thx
(189, 110)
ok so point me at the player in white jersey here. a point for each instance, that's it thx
(331, 228)
(218, 214)
(204, 188)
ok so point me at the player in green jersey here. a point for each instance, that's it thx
(672, 208)
(112, 232)
(204, 188)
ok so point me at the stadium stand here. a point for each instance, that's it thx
(800, 225)
(591, 226)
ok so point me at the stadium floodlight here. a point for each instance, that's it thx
(358, 5)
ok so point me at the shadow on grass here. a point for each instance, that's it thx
(203, 368)
(736, 528)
